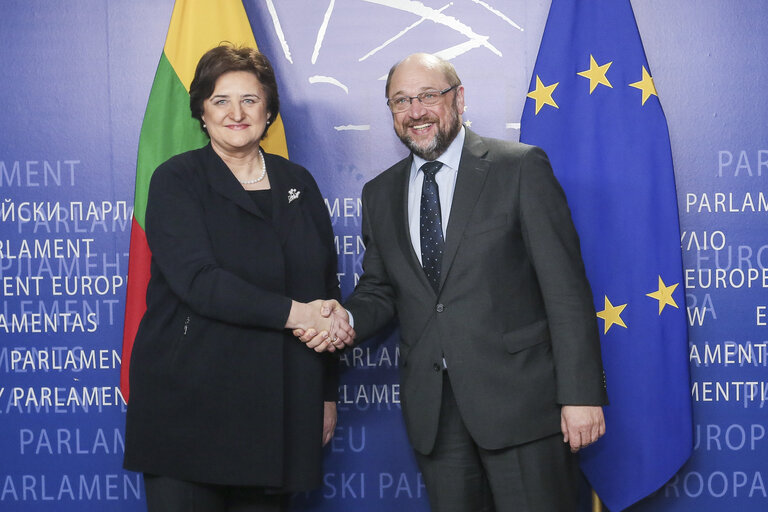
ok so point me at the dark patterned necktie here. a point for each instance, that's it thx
(431, 225)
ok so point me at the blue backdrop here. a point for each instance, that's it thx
(75, 81)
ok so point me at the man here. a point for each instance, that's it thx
(478, 258)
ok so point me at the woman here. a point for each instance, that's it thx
(228, 410)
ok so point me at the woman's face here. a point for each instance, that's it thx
(236, 113)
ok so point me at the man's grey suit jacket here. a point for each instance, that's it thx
(514, 316)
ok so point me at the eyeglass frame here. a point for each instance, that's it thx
(417, 97)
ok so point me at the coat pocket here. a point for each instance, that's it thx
(526, 337)
(181, 331)
(499, 221)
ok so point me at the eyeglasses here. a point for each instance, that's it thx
(428, 98)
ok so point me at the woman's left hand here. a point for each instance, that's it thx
(329, 421)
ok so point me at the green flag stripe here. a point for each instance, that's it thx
(168, 129)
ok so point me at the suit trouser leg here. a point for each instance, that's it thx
(539, 476)
(453, 472)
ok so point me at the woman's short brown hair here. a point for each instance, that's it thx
(224, 59)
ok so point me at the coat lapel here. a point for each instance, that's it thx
(287, 192)
(224, 182)
(473, 169)
(287, 196)
(402, 225)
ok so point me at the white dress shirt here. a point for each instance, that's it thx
(446, 182)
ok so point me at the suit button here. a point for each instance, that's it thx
(436, 367)
(440, 308)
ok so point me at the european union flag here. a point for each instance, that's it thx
(593, 108)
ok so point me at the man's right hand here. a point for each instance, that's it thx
(341, 334)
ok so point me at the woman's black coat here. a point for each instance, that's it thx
(220, 391)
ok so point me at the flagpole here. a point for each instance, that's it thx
(597, 505)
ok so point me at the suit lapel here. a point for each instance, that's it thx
(403, 228)
(286, 191)
(224, 182)
(402, 225)
(287, 196)
(473, 169)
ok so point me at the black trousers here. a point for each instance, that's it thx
(460, 476)
(166, 494)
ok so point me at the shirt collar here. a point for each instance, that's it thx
(451, 157)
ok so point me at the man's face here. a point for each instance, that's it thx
(426, 130)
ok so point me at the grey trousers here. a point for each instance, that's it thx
(460, 476)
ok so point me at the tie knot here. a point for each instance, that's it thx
(430, 168)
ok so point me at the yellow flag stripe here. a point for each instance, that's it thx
(199, 25)
(275, 141)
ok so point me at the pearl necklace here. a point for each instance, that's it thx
(263, 172)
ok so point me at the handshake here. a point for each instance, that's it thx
(323, 325)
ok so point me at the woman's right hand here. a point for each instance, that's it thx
(322, 325)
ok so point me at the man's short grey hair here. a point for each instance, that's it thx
(430, 61)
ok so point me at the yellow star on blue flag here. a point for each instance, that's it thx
(611, 315)
(542, 94)
(664, 295)
(596, 74)
(646, 85)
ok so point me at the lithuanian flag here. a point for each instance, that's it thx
(168, 129)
